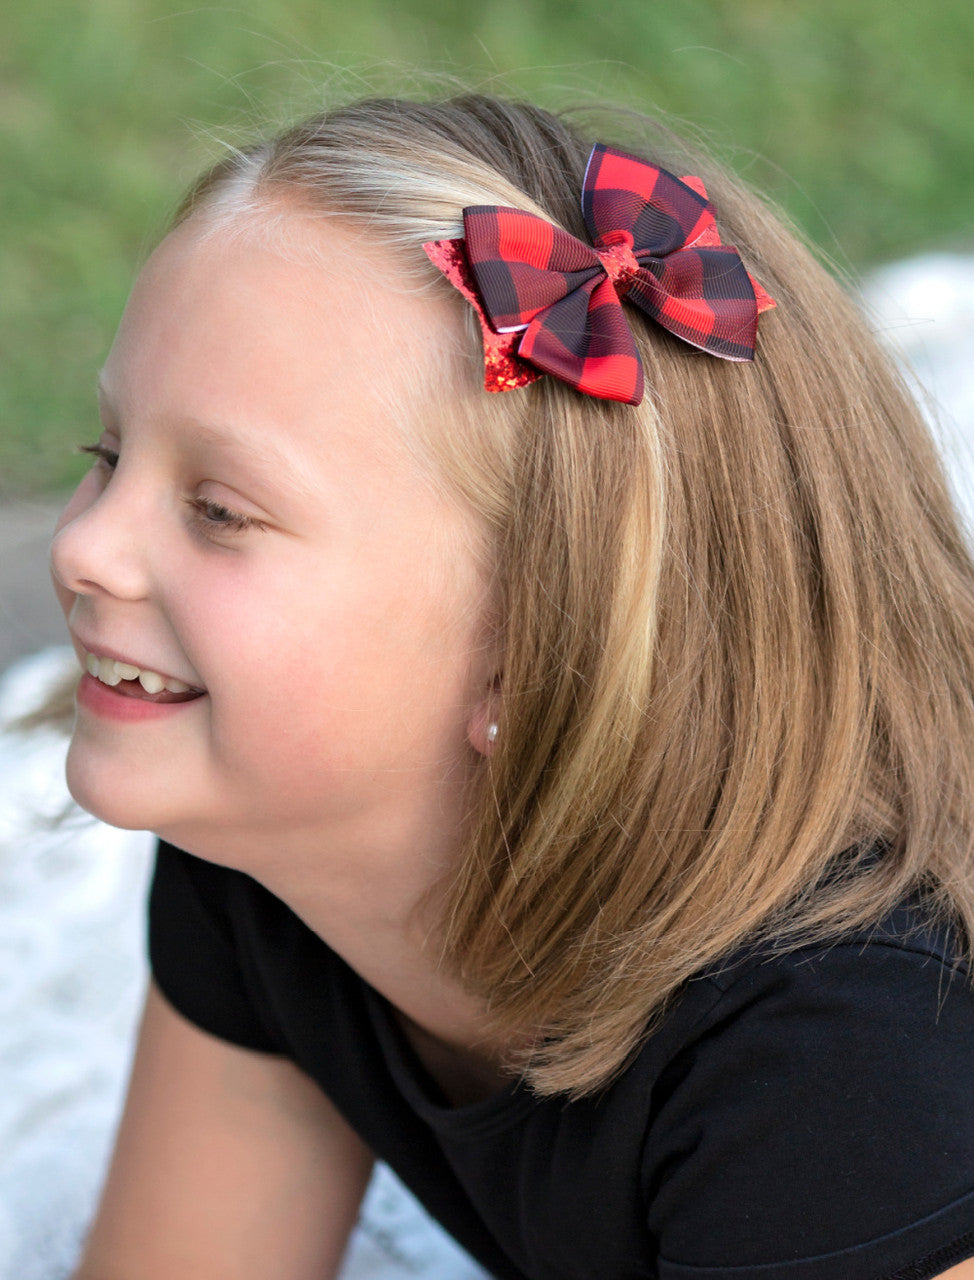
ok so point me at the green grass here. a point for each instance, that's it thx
(857, 116)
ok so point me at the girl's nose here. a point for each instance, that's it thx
(98, 545)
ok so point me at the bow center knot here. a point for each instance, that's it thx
(619, 262)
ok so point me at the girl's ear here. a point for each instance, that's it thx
(483, 725)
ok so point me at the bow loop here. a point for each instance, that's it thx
(661, 212)
(522, 263)
(549, 303)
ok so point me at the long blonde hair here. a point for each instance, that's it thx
(738, 628)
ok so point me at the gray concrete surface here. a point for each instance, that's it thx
(29, 614)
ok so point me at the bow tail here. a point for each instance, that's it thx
(585, 340)
(705, 297)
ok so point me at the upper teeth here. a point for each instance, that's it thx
(108, 671)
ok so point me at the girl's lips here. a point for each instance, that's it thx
(129, 701)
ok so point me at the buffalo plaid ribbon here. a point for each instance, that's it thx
(549, 303)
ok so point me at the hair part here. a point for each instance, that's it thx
(738, 654)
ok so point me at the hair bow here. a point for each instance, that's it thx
(549, 303)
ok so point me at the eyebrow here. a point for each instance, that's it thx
(258, 450)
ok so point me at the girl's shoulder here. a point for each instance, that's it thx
(900, 980)
(912, 929)
(811, 1107)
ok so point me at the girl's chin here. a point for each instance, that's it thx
(115, 791)
(111, 792)
(107, 809)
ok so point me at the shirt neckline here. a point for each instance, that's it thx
(499, 1110)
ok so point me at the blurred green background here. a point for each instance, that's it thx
(857, 115)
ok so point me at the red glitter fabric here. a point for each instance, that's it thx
(549, 303)
(503, 371)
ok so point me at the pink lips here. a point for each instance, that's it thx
(128, 701)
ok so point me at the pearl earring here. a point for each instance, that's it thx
(492, 731)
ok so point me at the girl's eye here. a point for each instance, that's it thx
(211, 516)
(208, 515)
(104, 457)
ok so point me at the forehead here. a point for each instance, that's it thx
(293, 333)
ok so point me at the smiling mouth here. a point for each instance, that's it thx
(137, 682)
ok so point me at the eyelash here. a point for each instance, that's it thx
(206, 512)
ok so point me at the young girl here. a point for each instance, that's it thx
(557, 722)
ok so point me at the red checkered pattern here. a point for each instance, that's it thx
(550, 302)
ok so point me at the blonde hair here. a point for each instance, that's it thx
(738, 654)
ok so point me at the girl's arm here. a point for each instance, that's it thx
(229, 1164)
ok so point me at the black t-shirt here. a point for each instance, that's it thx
(804, 1117)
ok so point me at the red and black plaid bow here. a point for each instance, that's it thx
(549, 303)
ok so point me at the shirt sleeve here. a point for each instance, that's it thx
(821, 1125)
(193, 948)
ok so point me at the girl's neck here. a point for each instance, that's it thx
(397, 951)
(371, 896)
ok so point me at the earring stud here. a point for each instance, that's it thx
(492, 731)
